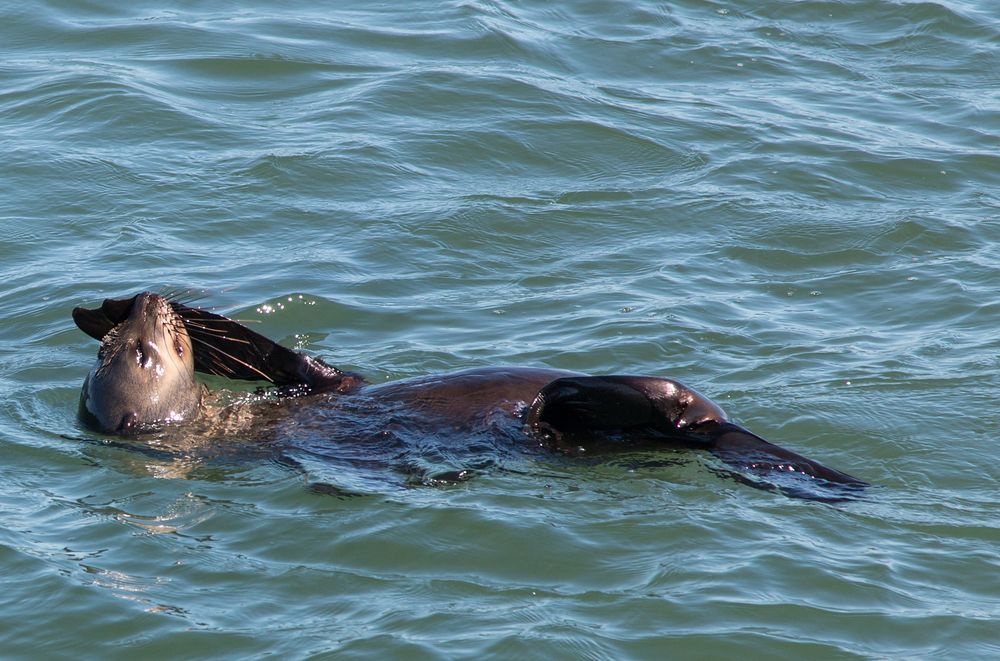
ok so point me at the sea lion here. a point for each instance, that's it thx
(151, 347)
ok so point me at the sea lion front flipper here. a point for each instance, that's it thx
(228, 348)
(650, 407)
(97, 323)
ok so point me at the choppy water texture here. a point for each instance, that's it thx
(792, 206)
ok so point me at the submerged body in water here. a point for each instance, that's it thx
(151, 347)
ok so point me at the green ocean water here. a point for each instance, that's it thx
(790, 206)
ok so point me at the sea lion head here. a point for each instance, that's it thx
(144, 375)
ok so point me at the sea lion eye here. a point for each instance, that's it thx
(179, 348)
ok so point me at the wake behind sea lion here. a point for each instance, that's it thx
(151, 347)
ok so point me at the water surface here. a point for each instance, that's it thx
(791, 206)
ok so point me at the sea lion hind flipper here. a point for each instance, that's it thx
(579, 404)
(786, 471)
(589, 404)
(657, 407)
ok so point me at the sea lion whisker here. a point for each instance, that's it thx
(214, 319)
(190, 298)
(216, 365)
(173, 295)
(217, 334)
(238, 360)
(205, 329)
(221, 320)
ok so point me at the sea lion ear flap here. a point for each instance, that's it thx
(581, 404)
(98, 322)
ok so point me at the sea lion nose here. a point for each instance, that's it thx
(145, 353)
